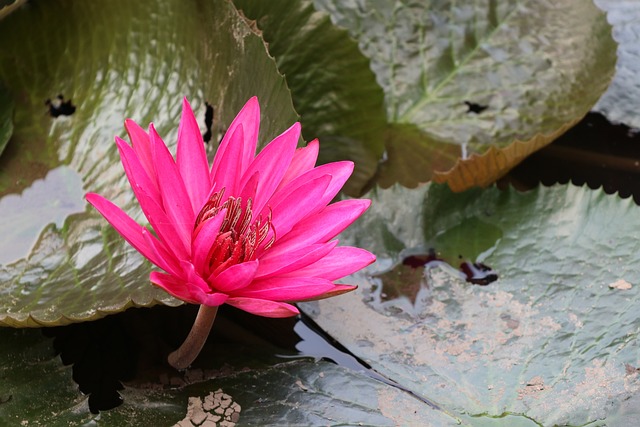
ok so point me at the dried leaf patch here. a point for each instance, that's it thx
(216, 410)
(620, 284)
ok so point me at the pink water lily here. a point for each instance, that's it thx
(252, 231)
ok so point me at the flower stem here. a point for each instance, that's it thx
(190, 348)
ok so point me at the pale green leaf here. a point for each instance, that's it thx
(481, 74)
(59, 260)
(553, 340)
(620, 101)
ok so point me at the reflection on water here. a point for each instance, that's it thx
(47, 201)
(408, 277)
(403, 285)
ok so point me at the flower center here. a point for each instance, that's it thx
(240, 235)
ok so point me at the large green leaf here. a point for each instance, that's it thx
(284, 392)
(553, 340)
(482, 74)
(59, 260)
(332, 85)
(620, 102)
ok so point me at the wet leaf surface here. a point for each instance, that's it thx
(59, 260)
(620, 101)
(332, 85)
(237, 379)
(483, 170)
(548, 340)
(481, 76)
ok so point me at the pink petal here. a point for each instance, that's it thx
(323, 226)
(286, 289)
(338, 171)
(235, 277)
(192, 277)
(165, 259)
(175, 198)
(204, 240)
(173, 286)
(272, 163)
(340, 262)
(337, 290)
(304, 159)
(163, 226)
(249, 117)
(250, 187)
(192, 159)
(138, 178)
(263, 307)
(150, 202)
(301, 202)
(214, 299)
(292, 261)
(229, 171)
(185, 291)
(142, 147)
(123, 224)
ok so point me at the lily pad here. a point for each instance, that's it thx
(620, 101)
(73, 84)
(482, 74)
(332, 85)
(551, 342)
(483, 170)
(288, 392)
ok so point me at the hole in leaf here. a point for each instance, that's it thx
(472, 107)
(478, 273)
(208, 122)
(60, 107)
(409, 280)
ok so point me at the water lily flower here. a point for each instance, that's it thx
(252, 231)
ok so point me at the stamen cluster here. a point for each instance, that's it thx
(239, 236)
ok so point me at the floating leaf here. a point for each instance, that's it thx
(482, 170)
(551, 342)
(74, 83)
(620, 101)
(483, 74)
(293, 392)
(331, 83)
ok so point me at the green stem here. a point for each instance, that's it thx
(190, 348)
